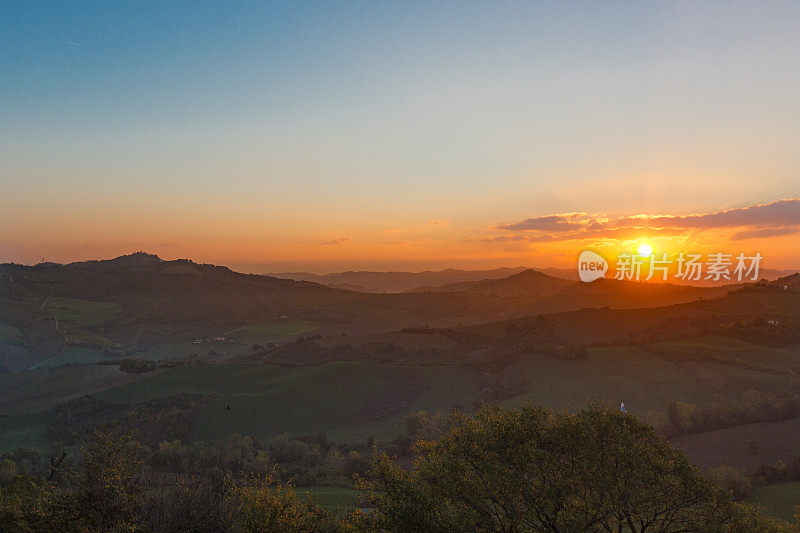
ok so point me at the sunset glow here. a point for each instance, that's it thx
(284, 138)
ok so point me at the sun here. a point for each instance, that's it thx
(644, 249)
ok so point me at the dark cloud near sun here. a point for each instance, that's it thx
(554, 223)
(773, 219)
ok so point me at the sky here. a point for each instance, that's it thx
(332, 136)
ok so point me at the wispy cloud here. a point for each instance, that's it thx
(439, 222)
(340, 240)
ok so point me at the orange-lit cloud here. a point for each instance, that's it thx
(439, 222)
(334, 242)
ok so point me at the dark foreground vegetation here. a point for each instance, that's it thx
(521, 469)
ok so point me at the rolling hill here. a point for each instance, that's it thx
(140, 304)
(366, 281)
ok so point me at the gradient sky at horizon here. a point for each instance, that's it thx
(377, 135)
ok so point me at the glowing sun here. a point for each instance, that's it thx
(644, 249)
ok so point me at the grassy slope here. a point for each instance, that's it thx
(347, 400)
(11, 335)
(73, 355)
(24, 431)
(785, 358)
(332, 497)
(267, 332)
(778, 500)
(177, 351)
(775, 441)
(81, 311)
(35, 391)
(644, 382)
(28, 398)
(351, 400)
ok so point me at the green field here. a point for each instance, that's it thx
(11, 335)
(644, 382)
(724, 348)
(267, 332)
(779, 500)
(38, 390)
(90, 339)
(74, 355)
(178, 351)
(24, 431)
(348, 400)
(332, 497)
(81, 311)
(352, 400)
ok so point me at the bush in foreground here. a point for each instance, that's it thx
(532, 469)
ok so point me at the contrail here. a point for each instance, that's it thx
(72, 43)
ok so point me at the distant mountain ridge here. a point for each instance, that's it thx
(554, 293)
(526, 283)
(449, 280)
(372, 281)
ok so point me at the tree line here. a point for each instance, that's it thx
(526, 468)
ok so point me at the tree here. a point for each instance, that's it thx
(532, 469)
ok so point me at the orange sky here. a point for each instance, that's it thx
(546, 240)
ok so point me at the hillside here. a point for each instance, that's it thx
(297, 378)
(52, 314)
(556, 294)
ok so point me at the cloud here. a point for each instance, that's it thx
(439, 222)
(763, 232)
(334, 242)
(776, 214)
(757, 221)
(553, 223)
